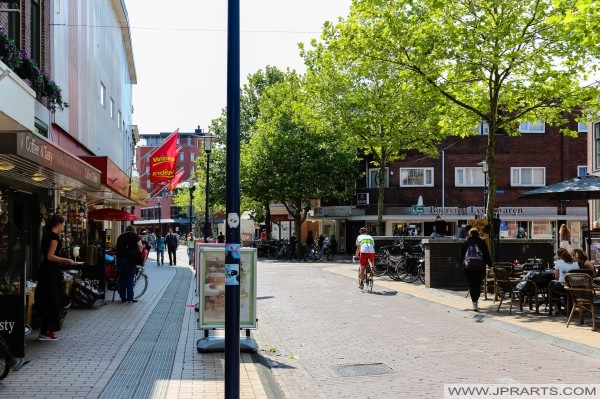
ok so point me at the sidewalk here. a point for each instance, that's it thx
(130, 350)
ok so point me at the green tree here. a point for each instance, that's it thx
(250, 96)
(287, 161)
(501, 62)
(379, 108)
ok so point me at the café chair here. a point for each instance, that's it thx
(580, 288)
(505, 286)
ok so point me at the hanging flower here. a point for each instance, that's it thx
(27, 68)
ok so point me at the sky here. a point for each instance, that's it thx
(180, 53)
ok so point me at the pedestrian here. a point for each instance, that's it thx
(473, 275)
(463, 232)
(160, 249)
(293, 243)
(190, 250)
(365, 249)
(440, 227)
(172, 242)
(324, 244)
(129, 254)
(564, 235)
(310, 243)
(50, 287)
(221, 238)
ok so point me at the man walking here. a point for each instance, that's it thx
(172, 243)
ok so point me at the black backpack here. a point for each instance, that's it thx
(474, 258)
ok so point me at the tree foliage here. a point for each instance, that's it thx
(500, 61)
(379, 108)
(288, 161)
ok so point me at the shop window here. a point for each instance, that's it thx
(416, 177)
(469, 176)
(374, 178)
(528, 176)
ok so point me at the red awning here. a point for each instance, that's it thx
(110, 214)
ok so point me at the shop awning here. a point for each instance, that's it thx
(36, 161)
(118, 186)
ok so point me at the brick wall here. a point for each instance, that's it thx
(442, 259)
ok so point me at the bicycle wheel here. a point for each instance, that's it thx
(422, 272)
(140, 285)
(5, 362)
(381, 264)
(394, 267)
(411, 273)
(369, 276)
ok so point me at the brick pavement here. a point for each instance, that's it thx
(316, 322)
(313, 329)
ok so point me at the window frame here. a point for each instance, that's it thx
(102, 94)
(476, 170)
(520, 170)
(425, 171)
(528, 127)
(371, 177)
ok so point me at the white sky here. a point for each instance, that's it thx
(180, 52)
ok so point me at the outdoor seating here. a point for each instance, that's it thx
(580, 288)
(505, 286)
(534, 287)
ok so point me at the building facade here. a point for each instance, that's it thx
(160, 213)
(453, 186)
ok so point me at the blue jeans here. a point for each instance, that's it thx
(191, 255)
(126, 275)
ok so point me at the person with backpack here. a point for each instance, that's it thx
(475, 256)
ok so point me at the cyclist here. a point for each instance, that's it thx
(365, 249)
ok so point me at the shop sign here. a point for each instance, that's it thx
(418, 209)
(45, 153)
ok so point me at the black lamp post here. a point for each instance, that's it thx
(159, 211)
(207, 148)
(484, 169)
(192, 188)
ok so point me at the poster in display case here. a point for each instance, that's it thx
(210, 264)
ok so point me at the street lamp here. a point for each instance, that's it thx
(484, 169)
(192, 188)
(207, 148)
(159, 225)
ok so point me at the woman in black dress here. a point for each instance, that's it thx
(50, 279)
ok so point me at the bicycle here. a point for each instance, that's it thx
(111, 274)
(384, 264)
(368, 281)
(7, 361)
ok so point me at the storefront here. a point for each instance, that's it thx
(36, 178)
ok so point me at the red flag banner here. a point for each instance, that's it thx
(162, 160)
(175, 181)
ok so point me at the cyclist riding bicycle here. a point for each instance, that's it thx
(365, 249)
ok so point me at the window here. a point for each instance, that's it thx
(147, 169)
(192, 157)
(14, 29)
(119, 118)
(528, 176)
(582, 127)
(36, 33)
(528, 127)
(192, 170)
(469, 177)
(181, 155)
(144, 213)
(112, 108)
(189, 142)
(148, 184)
(374, 178)
(483, 128)
(147, 157)
(416, 177)
(102, 95)
(581, 171)
(596, 130)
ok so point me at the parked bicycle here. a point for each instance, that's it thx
(385, 263)
(408, 265)
(7, 361)
(111, 273)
